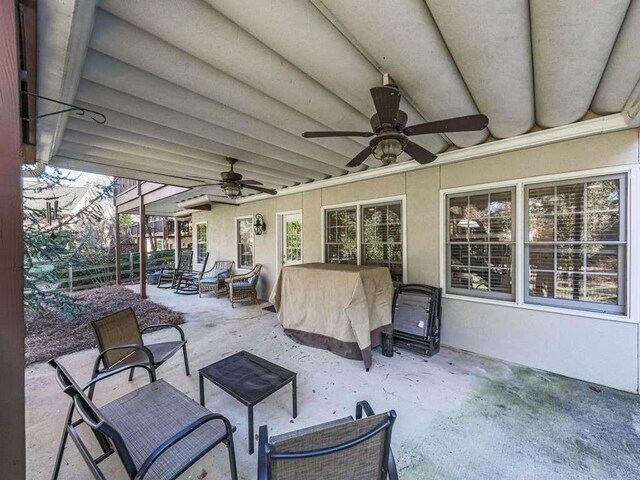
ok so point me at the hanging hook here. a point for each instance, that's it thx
(95, 116)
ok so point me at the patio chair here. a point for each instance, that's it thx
(171, 275)
(214, 279)
(344, 449)
(244, 286)
(120, 343)
(156, 430)
(187, 280)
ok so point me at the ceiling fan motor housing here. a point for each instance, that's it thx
(401, 121)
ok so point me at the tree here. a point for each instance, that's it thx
(53, 241)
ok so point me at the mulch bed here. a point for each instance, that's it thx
(53, 334)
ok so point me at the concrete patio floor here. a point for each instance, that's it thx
(460, 416)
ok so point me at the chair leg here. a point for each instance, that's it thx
(131, 374)
(232, 458)
(63, 443)
(186, 359)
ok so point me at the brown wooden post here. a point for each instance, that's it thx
(117, 245)
(177, 240)
(12, 446)
(143, 244)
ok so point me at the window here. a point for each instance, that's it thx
(366, 234)
(575, 245)
(381, 237)
(480, 244)
(201, 242)
(244, 236)
(341, 236)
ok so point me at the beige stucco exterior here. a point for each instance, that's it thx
(591, 347)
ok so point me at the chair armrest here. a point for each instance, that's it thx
(131, 346)
(263, 449)
(237, 278)
(164, 325)
(186, 431)
(110, 373)
(363, 405)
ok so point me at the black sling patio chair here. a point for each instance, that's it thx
(157, 431)
(188, 281)
(171, 276)
(119, 339)
(344, 449)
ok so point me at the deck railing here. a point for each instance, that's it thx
(73, 277)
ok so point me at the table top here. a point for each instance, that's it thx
(247, 377)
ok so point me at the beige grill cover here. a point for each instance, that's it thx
(342, 308)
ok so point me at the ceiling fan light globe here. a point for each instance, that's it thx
(387, 150)
(232, 191)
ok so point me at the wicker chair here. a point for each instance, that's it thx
(120, 343)
(157, 431)
(343, 449)
(172, 275)
(244, 286)
(214, 279)
(187, 283)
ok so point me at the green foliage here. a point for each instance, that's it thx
(49, 248)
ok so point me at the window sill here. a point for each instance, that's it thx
(543, 308)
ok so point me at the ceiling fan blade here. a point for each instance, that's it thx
(249, 182)
(361, 157)
(419, 154)
(261, 189)
(336, 134)
(209, 185)
(458, 124)
(387, 103)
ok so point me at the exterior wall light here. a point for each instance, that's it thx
(260, 226)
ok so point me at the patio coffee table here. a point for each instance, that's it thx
(249, 379)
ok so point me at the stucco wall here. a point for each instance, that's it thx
(595, 349)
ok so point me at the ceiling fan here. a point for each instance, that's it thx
(388, 124)
(232, 183)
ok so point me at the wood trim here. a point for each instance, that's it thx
(12, 326)
(130, 206)
(117, 246)
(143, 245)
(129, 195)
(162, 193)
(148, 187)
(27, 10)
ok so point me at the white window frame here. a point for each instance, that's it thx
(622, 267)
(253, 244)
(358, 206)
(631, 262)
(507, 297)
(206, 241)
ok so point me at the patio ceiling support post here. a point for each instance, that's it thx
(12, 326)
(117, 246)
(177, 240)
(143, 244)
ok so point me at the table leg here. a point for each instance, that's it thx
(250, 429)
(201, 390)
(294, 385)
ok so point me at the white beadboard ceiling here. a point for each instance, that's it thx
(186, 83)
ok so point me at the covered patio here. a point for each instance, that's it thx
(459, 415)
(487, 150)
